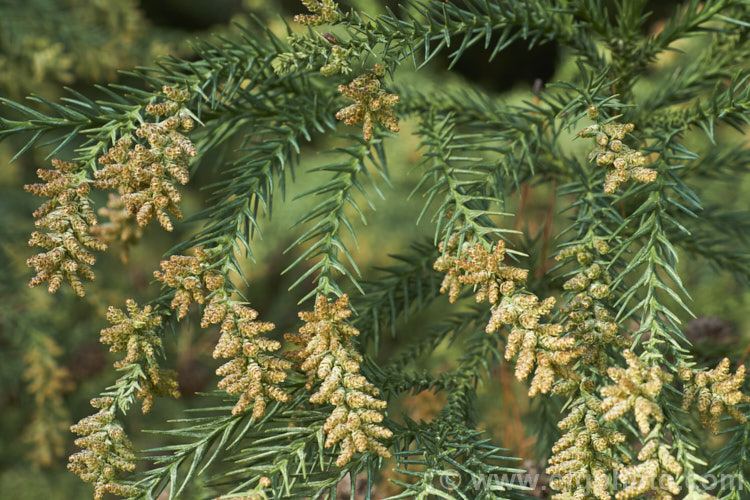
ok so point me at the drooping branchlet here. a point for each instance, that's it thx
(328, 355)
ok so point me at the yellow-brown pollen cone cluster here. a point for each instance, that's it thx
(474, 265)
(253, 371)
(587, 316)
(134, 331)
(371, 103)
(106, 451)
(323, 11)
(328, 355)
(621, 161)
(144, 172)
(192, 281)
(535, 343)
(584, 452)
(636, 388)
(67, 217)
(656, 473)
(716, 391)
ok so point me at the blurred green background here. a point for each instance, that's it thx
(51, 363)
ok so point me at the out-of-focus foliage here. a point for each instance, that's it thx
(46, 44)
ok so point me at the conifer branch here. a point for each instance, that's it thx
(438, 464)
(396, 292)
(267, 157)
(730, 105)
(328, 218)
(719, 60)
(296, 430)
(732, 460)
(427, 29)
(463, 183)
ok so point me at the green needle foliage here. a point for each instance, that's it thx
(629, 139)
